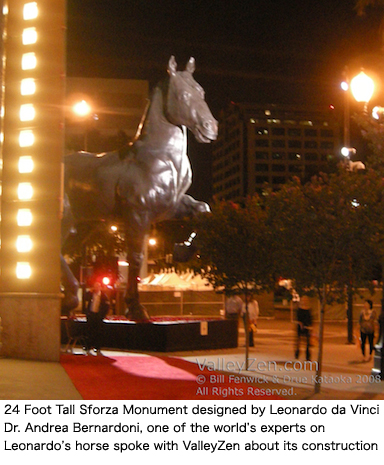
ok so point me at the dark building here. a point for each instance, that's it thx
(261, 144)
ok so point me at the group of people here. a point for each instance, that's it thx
(97, 307)
(368, 321)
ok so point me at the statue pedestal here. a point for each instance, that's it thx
(378, 363)
(31, 326)
(167, 334)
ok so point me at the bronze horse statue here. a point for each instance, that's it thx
(143, 183)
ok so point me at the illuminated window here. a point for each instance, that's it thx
(23, 243)
(25, 191)
(29, 36)
(23, 270)
(25, 164)
(28, 86)
(24, 217)
(26, 138)
(30, 10)
(27, 112)
(28, 61)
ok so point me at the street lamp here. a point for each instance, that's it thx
(83, 110)
(362, 88)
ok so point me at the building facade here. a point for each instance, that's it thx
(270, 144)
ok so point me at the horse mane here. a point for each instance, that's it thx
(124, 151)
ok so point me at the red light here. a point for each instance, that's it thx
(106, 281)
(331, 107)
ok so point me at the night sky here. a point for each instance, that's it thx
(256, 51)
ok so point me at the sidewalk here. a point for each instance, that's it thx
(343, 376)
(271, 363)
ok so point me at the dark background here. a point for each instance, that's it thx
(246, 51)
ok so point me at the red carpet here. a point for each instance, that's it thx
(151, 378)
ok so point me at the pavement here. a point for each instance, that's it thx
(269, 365)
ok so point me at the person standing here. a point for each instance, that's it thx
(97, 307)
(253, 314)
(233, 307)
(304, 326)
(367, 323)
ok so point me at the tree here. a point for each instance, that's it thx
(323, 236)
(96, 244)
(234, 252)
(363, 6)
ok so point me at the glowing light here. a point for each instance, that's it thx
(113, 228)
(29, 36)
(26, 164)
(344, 85)
(25, 191)
(30, 11)
(82, 108)
(27, 112)
(152, 241)
(347, 151)
(23, 243)
(377, 112)
(106, 281)
(26, 138)
(24, 217)
(23, 270)
(362, 87)
(28, 86)
(28, 61)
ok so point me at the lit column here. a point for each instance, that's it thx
(33, 146)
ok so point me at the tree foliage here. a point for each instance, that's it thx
(234, 247)
(94, 243)
(324, 231)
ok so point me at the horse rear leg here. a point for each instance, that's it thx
(135, 310)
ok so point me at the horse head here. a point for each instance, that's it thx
(186, 105)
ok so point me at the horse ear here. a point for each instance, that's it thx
(172, 65)
(191, 65)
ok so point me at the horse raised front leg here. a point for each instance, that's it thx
(135, 310)
(190, 207)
